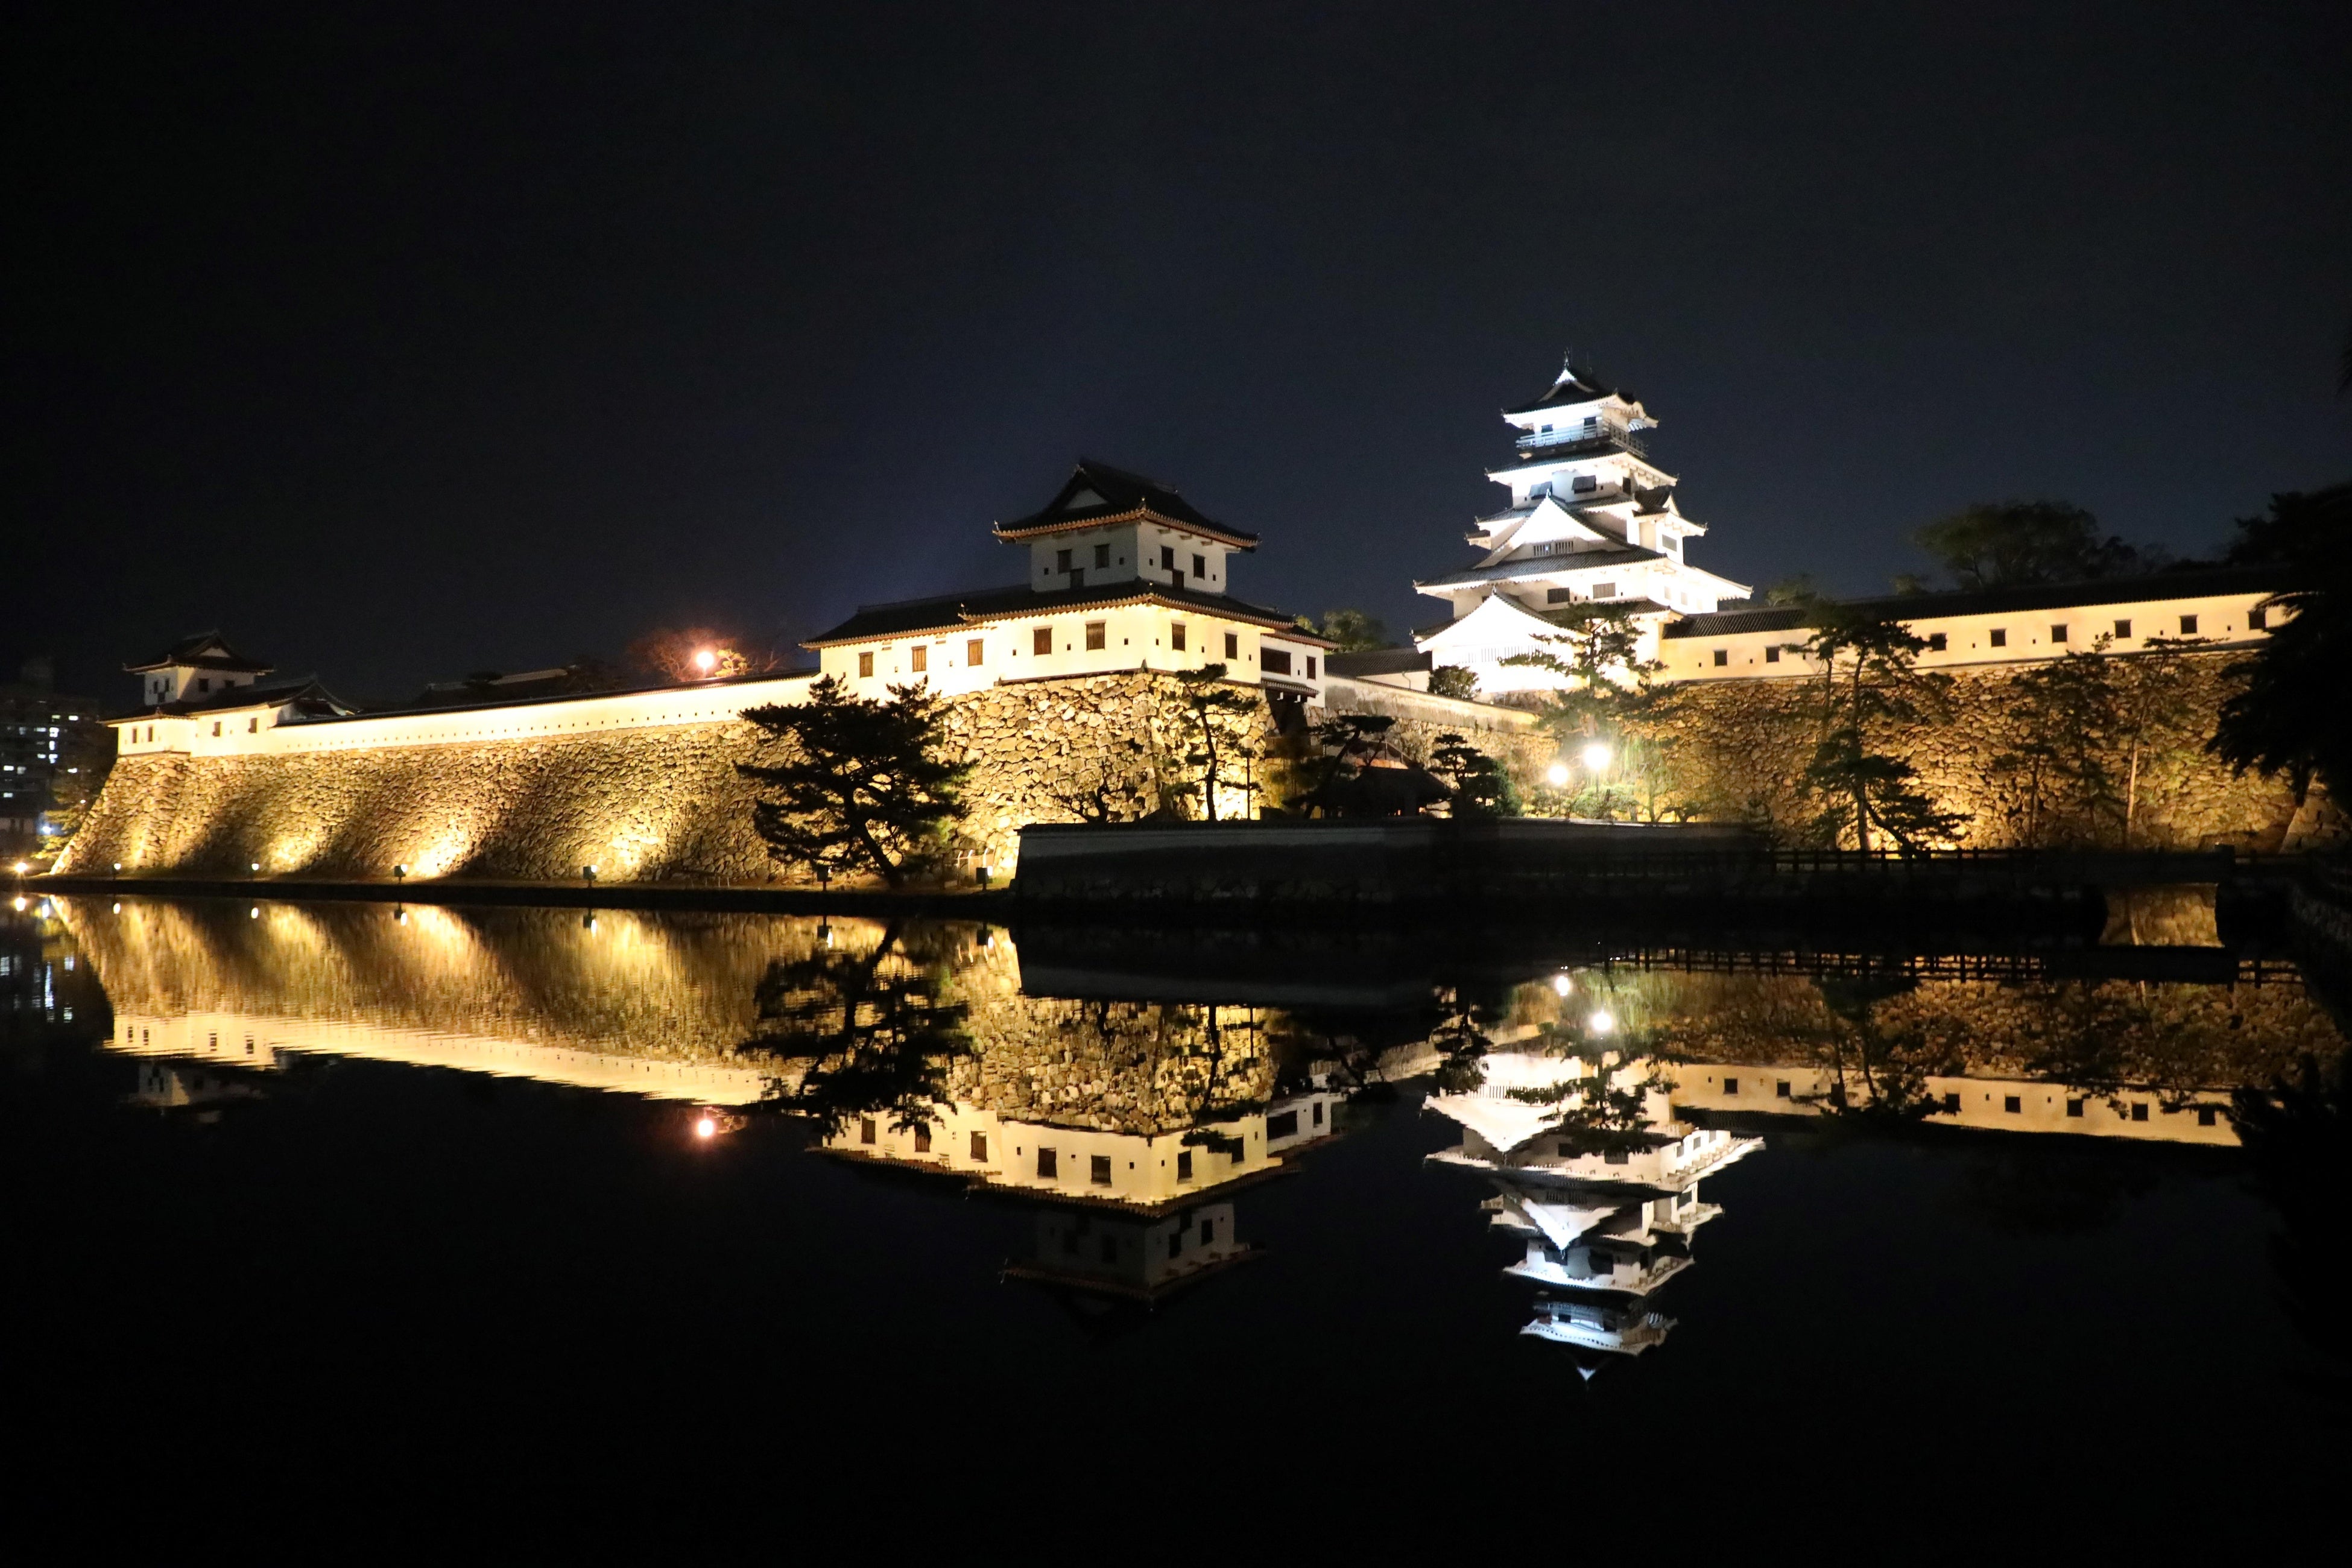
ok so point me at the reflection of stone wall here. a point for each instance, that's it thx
(1738, 747)
(1118, 1067)
(638, 804)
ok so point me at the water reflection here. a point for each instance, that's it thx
(1129, 1089)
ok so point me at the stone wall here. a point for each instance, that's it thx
(644, 803)
(1736, 749)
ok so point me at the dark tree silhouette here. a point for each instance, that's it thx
(847, 781)
(1869, 681)
(871, 1027)
(1991, 543)
(2287, 715)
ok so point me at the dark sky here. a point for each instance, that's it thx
(401, 341)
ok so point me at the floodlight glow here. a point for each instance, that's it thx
(706, 1128)
(705, 661)
(1557, 775)
(254, 913)
(22, 867)
(1601, 1022)
(1562, 985)
(1596, 757)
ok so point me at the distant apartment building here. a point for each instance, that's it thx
(38, 727)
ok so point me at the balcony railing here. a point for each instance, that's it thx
(1602, 433)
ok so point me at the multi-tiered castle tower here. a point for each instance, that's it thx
(1591, 520)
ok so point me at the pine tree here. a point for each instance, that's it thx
(1481, 787)
(848, 781)
(1870, 680)
(1609, 690)
(1220, 717)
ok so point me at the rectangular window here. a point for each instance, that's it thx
(1185, 1166)
(1319, 1113)
(2189, 626)
(216, 726)
(1208, 1231)
(2205, 1116)
(918, 659)
(1997, 637)
(2011, 1104)
(1559, 596)
(2140, 1111)
(1275, 660)
(1061, 561)
(1772, 654)
(866, 1130)
(980, 1147)
(923, 1139)
(1098, 634)
(2257, 618)
(1048, 1165)
(1731, 1086)
(1951, 1105)
(1233, 645)
(1311, 667)
(1098, 1170)
(1102, 554)
(2057, 634)
(1938, 642)
(1283, 1126)
(865, 665)
(1781, 1090)
(1722, 655)
(1585, 484)
(1175, 1242)
(1041, 641)
(253, 726)
(2123, 628)
(1200, 567)
(975, 652)
(203, 683)
(2075, 1108)
(1167, 558)
(1176, 636)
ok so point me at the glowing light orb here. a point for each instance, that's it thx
(22, 866)
(254, 913)
(706, 1128)
(1562, 985)
(705, 661)
(1556, 775)
(1596, 757)
(1603, 1021)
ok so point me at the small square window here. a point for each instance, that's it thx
(1233, 645)
(1176, 636)
(2139, 1111)
(1185, 1166)
(980, 1147)
(865, 665)
(2189, 626)
(975, 652)
(1049, 1164)
(2075, 1108)
(1938, 642)
(2123, 628)
(2011, 1104)
(1731, 1086)
(1061, 561)
(1772, 654)
(1585, 484)
(1102, 554)
(1951, 1105)
(2257, 619)
(2206, 1116)
(918, 659)
(1722, 655)
(1998, 636)
(1781, 1088)
(1098, 1170)
(1095, 635)
(1041, 641)
(1200, 567)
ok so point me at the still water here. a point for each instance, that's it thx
(1447, 1204)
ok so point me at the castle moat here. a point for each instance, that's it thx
(521, 1178)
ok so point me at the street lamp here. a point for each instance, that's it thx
(1597, 757)
(705, 660)
(1556, 775)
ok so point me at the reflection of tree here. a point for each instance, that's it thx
(871, 1026)
(2299, 1134)
(1461, 1042)
(1890, 1063)
(1610, 1109)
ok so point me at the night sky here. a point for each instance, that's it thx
(408, 341)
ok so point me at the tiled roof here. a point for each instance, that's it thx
(1096, 493)
(205, 650)
(1546, 567)
(1571, 388)
(949, 612)
(253, 694)
(2017, 598)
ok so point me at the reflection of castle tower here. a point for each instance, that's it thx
(1608, 1211)
(1130, 1257)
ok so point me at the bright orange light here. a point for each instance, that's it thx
(706, 1128)
(22, 866)
(705, 661)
